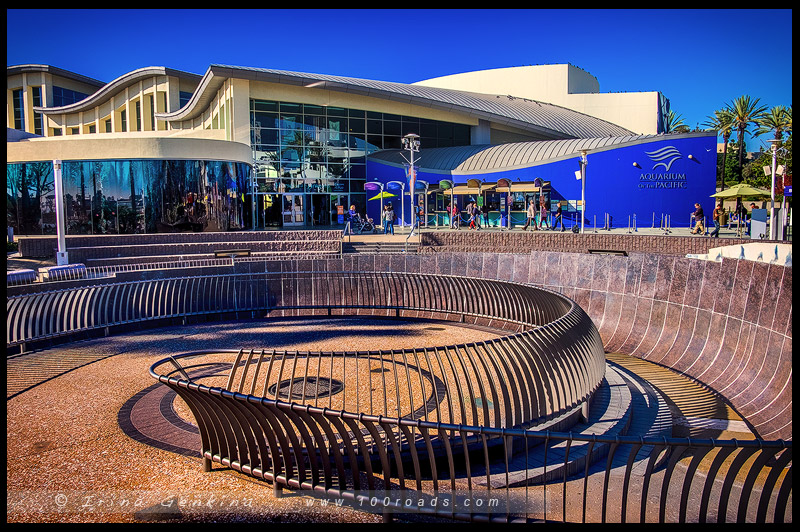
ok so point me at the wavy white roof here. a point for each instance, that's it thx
(534, 116)
(538, 118)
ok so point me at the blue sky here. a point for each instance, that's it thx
(699, 59)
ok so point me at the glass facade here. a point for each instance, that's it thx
(310, 166)
(19, 110)
(62, 96)
(129, 196)
(311, 159)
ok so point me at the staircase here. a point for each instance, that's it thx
(379, 247)
(624, 405)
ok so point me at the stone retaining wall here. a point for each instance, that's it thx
(46, 246)
(728, 325)
(515, 242)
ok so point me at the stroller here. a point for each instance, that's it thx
(360, 224)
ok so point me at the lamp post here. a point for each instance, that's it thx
(410, 143)
(253, 196)
(584, 162)
(773, 227)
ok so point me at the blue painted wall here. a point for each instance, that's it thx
(667, 181)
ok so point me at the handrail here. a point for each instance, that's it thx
(347, 231)
(389, 457)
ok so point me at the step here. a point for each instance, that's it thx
(379, 247)
(254, 257)
(651, 418)
(609, 415)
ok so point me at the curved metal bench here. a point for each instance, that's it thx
(550, 360)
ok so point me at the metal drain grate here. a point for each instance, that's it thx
(305, 388)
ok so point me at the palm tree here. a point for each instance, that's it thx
(778, 119)
(745, 111)
(722, 121)
(673, 123)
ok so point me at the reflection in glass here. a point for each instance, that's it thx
(107, 197)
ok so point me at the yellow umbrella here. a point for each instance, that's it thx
(384, 194)
(741, 190)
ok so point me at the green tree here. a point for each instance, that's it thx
(776, 121)
(746, 111)
(673, 123)
(722, 121)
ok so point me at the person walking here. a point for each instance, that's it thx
(531, 216)
(544, 213)
(741, 217)
(455, 215)
(388, 219)
(559, 219)
(717, 217)
(471, 213)
(698, 220)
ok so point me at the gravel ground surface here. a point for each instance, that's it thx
(70, 460)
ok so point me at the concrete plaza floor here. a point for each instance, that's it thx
(91, 437)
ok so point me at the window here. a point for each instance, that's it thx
(92, 128)
(151, 101)
(184, 98)
(19, 110)
(123, 120)
(62, 96)
(37, 117)
(138, 116)
(108, 125)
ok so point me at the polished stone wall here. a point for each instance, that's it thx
(728, 325)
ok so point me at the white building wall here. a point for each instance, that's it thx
(564, 85)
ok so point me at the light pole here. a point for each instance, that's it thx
(584, 162)
(773, 227)
(253, 195)
(410, 143)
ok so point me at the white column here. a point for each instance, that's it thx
(61, 255)
(583, 188)
(773, 233)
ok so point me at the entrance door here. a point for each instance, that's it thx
(320, 209)
(293, 213)
(268, 210)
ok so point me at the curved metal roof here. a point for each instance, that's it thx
(32, 67)
(483, 158)
(538, 118)
(548, 120)
(109, 89)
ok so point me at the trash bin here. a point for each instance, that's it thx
(758, 224)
